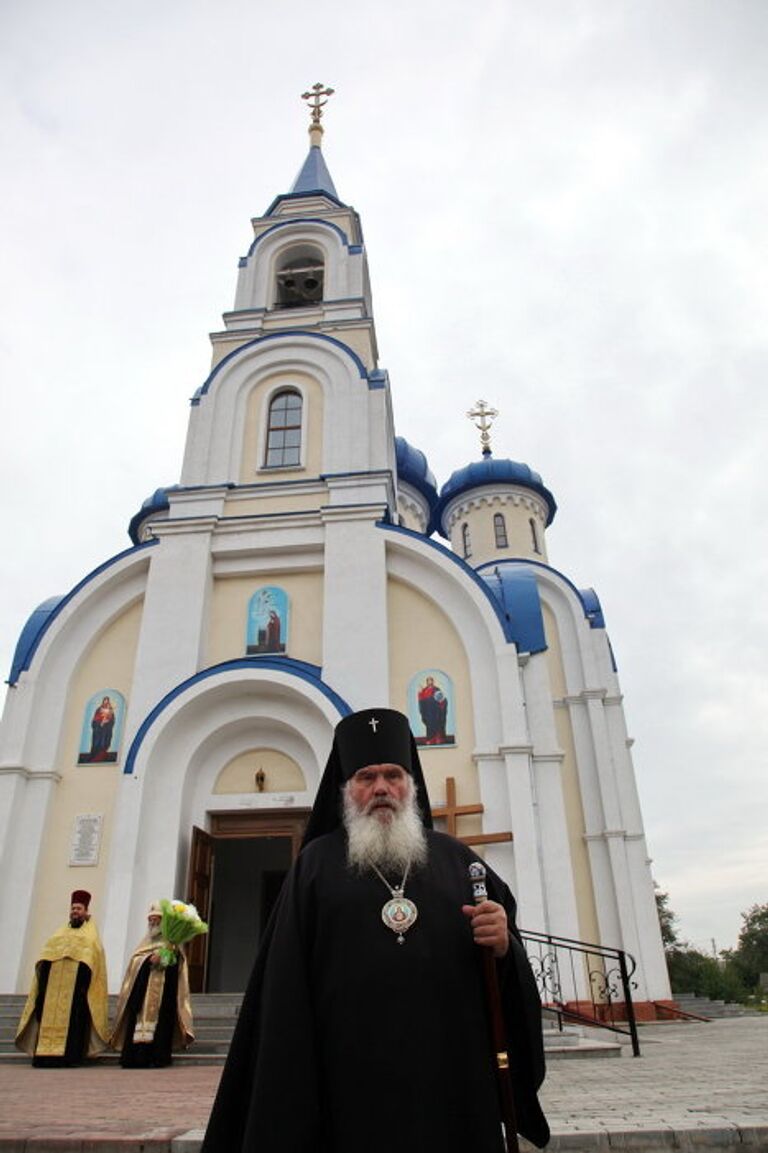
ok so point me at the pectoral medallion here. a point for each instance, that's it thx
(399, 914)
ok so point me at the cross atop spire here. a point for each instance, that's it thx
(316, 106)
(483, 416)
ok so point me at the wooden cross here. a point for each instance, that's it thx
(451, 811)
(483, 416)
(317, 106)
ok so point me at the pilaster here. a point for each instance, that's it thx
(355, 640)
(24, 801)
(170, 644)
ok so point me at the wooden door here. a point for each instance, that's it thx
(199, 893)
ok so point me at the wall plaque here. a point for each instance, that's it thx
(86, 839)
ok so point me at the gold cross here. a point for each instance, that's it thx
(317, 106)
(451, 811)
(483, 416)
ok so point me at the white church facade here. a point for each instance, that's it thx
(168, 720)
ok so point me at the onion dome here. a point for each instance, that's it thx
(416, 486)
(412, 469)
(154, 504)
(491, 473)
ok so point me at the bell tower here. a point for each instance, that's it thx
(306, 267)
(295, 393)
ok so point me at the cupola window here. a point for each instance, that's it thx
(534, 535)
(284, 430)
(500, 530)
(466, 541)
(300, 280)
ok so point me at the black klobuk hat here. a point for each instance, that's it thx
(370, 737)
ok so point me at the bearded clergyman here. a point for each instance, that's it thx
(153, 1015)
(65, 1016)
(364, 1025)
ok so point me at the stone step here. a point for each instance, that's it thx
(709, 1007)
(215, 1016)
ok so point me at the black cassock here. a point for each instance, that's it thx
(156, 1053)
(348, 1040)
(76, 1046)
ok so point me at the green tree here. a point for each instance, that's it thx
(750, 957)
(667, 919)
(690, 970)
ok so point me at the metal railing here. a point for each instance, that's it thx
(590, 984)
(676, 1013)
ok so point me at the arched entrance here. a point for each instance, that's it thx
(193, 765)
(235, 874)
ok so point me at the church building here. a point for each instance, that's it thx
(169, 718)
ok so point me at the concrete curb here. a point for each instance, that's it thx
(727, 1138)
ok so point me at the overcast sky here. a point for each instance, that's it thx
(564, 207)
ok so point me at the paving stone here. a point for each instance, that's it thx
(696, 1086)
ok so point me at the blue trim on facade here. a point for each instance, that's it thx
(157, 502)
(596, 620)
(518, 593)
(288, 335)
(592, 608)
(36, 622)
(462, 564)
(301, 196)
(300, 220)
(34, 630)
(312, 674)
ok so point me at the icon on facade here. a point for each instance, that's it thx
(102, 728)
(267, 621)
(431, 708)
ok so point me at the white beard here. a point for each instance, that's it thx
(389, 845)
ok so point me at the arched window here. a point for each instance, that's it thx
(284, 430)
(534, 535)
(300, 277)
(500, 530)
(466, 541)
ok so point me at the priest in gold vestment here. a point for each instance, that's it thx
(154, 1014)
(65, 1016)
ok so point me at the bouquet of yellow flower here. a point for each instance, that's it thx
(179, 923)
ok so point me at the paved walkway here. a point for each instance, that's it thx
(697, 1086)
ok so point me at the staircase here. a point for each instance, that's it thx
(704, 1007)
(215, 1014)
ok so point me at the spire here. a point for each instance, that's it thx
(314, 175)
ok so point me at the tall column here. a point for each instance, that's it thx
(173, 631)
(548, 757)
(528, 865)
(24, 799)
(355, 632)
(606, 831)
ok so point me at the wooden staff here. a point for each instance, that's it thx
(496, 1018)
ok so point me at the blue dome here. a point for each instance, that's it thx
(157, 502)
(30, 635)
(492, 472)
(412, 469)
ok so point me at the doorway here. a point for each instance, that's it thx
(235, 876)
